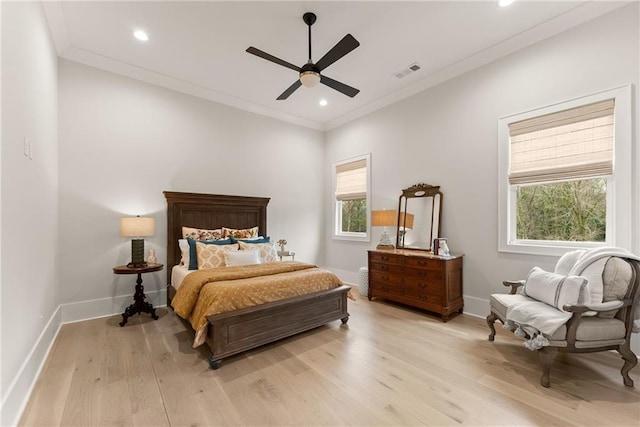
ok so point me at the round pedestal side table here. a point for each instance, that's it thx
(139, 304)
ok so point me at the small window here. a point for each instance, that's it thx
(565, 175)
(352, 186)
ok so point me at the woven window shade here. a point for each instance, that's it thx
(351, 180)
(570, 144)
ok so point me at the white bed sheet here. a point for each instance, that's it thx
(178, 273)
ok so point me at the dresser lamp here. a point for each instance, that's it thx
(137, 227)
(384, 219)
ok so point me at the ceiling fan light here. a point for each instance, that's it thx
(309, 78)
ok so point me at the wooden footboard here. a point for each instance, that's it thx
(234, 332)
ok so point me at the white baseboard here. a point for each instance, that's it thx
(348, 277)
(20, 389)
(93, 309)
(17, 396)
(477, 307)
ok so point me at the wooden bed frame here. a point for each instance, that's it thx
(234, 332)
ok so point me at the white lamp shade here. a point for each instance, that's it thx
(309, 78)
(137, 226)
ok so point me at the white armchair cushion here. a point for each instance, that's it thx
(555, 289)
(501, 302)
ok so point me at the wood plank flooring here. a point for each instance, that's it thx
(390, 365)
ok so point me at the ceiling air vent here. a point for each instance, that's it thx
(406, 71)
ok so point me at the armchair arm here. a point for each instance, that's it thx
(515, 284)
(599, 307)
(578, 310)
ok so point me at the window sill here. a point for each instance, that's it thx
(554, 249)
(353, 237)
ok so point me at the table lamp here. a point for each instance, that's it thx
(137, 227)
(384, 219)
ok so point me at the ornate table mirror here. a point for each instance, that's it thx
(419, 211)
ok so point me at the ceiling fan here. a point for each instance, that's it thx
(310, 73)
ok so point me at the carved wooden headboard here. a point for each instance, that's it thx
(209, 211)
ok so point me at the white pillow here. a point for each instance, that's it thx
(242, 258)
(555, 289)
(267, 251)
(184, 250)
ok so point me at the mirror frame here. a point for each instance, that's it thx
(418, 191)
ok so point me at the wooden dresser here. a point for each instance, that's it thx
(417, 278)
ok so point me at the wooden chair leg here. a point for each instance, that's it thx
(547, 356)
(630, 360)
(491, 318)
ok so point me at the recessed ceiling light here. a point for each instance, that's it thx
(504, 3)
(323, 103)
(141, 35)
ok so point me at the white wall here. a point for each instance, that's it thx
(447, 136)
(29, 199)
(123, 142)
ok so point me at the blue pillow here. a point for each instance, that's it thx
(263, 240)
(193, 256)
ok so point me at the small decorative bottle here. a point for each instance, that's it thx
(151, 259)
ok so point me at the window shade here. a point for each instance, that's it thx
(351, 180)
(569, 144)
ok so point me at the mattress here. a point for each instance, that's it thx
(178, 273)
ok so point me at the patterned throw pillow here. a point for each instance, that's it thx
(193, 256)
(246, 233)
(267, 251)
(212, 256)
(201, 234)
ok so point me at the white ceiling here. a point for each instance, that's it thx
(199, 47)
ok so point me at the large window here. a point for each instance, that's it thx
(352, 184)
(565, 175)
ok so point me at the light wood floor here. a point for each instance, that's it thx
(389, 366)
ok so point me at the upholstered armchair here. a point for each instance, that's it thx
(603, 324)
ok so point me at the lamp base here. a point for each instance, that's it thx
(382, 247)
(132, 265)
(385, 241)
(137, 253)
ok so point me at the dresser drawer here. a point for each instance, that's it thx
(411, 286)
(424, 263)
(402, 271)
(383, 258)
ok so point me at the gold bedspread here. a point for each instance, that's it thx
(220, 290)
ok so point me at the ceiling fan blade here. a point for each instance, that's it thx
(344, 46)
(290, 90)
(264, 55)
(340, 87)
